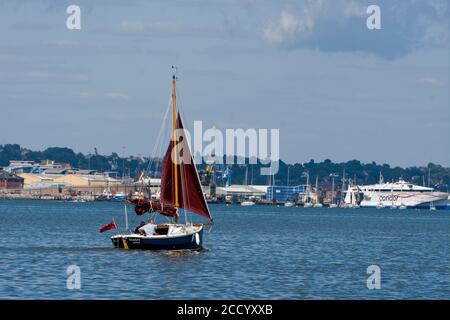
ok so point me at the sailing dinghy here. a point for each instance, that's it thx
(180, 190)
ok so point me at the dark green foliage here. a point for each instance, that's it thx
(131, 166)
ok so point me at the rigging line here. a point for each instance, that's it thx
(161, 132)
(184, 185)
(158, 142)
(157, 159)
(184, 188)
(160, 151)
(184, 201)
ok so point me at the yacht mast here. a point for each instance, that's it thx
(343, 186)
(174, 120)
(307, 183)
(288, 176)
(333, 175)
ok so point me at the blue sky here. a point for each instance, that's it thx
(311, 68)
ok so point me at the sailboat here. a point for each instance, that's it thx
(180, 190)
(332, 204)
(342, 203)
(288, 203)
(307, 200)
(247, 202)
(317, 204)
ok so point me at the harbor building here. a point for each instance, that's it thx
(20, 166)
(67, 180)
(243, 191)
(49, 174)
(285, 193)
(10, 181)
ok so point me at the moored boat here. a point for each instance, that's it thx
(289, 204)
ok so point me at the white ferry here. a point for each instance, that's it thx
(394, 195)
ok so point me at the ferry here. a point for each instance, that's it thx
(400, 194)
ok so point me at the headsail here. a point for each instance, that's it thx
(190, 193)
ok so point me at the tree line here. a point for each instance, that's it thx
(356, 172)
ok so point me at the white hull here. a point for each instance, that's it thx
(289, 204)
(404, 199)
(172, 237)
(395, 195)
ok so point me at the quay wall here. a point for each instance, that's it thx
(69, 193)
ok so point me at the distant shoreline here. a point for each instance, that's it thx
(434, 175)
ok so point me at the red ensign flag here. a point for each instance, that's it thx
(110, 226)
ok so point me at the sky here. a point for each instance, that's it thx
(311, 68)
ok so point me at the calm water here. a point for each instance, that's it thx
(259, 252)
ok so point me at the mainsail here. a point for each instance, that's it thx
(180, 184)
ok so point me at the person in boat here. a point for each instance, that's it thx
(148, 229)
(138, 227)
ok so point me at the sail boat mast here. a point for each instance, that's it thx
(174, 119)
(246, 176)
(288, 176)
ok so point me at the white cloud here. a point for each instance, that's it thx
(311, 12)
(354, 8)
(339, 26)
(287, 26)
(429, 81)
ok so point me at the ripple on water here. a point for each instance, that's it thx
(260, 252)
